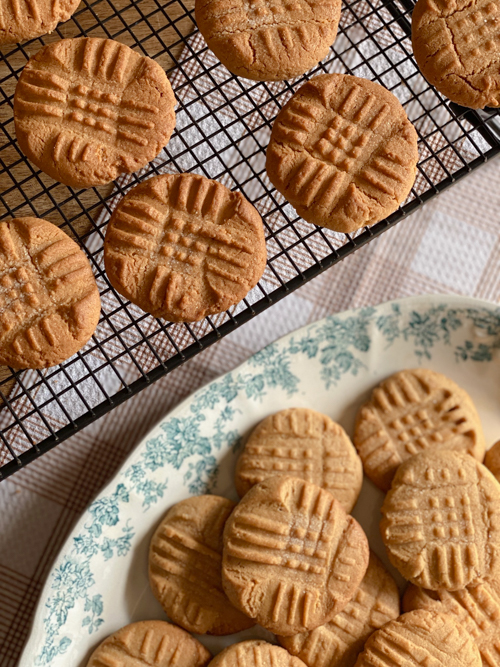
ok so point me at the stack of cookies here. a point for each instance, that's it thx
(291, 558)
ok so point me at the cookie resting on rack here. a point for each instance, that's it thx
(339, 642)
(269, 40)
(20, 21)
(292, 557)
(182, 247)
(476, 608)
(343, 152)
(89, 109)
(49, 301)
(185, 561)
(306, 444)
(150, 643)
(441, 521)
(420, 638)
(456, 45)
(409, 412)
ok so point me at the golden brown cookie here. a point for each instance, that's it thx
(339, 642)
(269, 40)
(303, 443)
(412, 411)
(26, 20)
(420, 638)
(476, 608)
(492, 460)
(181, 247)
(185, 559)
(89, 109)
(456, 46)
(441, 521)
(255, 653)
(343, 152)
(49, 301)
(150, 643)
(292, 557)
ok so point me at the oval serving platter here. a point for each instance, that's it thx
(99, 580)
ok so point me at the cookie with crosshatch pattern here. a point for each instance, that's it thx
(29, 19)
(420, 638)
(185, 560)
(89, 109)
(150, 643)
(49, 301)
(255, 653)
(181, 247)
(456, 44)
(303, 443)
(343, 152)
(476, 608)
(409, 412)
(269, 40)
(441, 521)
(339, 642)
(292, 557)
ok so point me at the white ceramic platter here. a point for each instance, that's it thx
(99, 581)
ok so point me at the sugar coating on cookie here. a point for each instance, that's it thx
(150, 643)
(456, 45)
(441, 521)
(20, 21)
(185, 559)
(49, 300)
(182, 247)
(343, 152)
(492, 460)
(269, 40)
(301, 442)
(339, 642)
(475, 608)
(89, 109)
(292, 557)
(410, 412)
(420, 638)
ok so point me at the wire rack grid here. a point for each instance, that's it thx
(223, 127)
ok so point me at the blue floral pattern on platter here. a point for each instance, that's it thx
(187, 446)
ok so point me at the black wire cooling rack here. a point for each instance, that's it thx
(223, 127)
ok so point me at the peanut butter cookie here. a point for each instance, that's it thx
(343, 152)
(412, 411)
(181, 247)
(185, 559)
(492, 460)
(255, 653)
(26, 20)
(89, 109)
(292, 557)
(441, 521)
(303, 443)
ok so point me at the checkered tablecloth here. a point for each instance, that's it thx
(451, 246)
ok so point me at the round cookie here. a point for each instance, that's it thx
(475, 608)
(441, 521)
(420, 638)
(303, 443)
(339, 642)
(49, 301)
(412, 411)
(89, 109)
(292, 557)
(185, 557)
(182, 247)
(22, 20)
(492, 460)
(255, 653)
(343, 152)
(153, 643)
(455, 44)
(269, 40)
